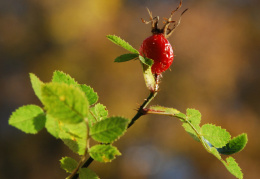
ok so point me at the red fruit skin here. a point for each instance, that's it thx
(158, 48)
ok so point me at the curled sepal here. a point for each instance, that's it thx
(148, 77)
(234, 145)
(103, 153)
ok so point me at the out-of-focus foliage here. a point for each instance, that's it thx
(217, 46)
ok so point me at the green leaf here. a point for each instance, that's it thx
(233, 167)
(146, 61)
(148, 77)
(217, 136)
(117, 40)
(126, 57)
(181, 116)
(90, 94)
(109, 129)
(61, 77)
(65, 102)
(53, 126)
(36, 85)
(193, 117)
(97, 113)
(214, 151)
(163, 110)
(74, 136)
(29, 119)
(68, 164)
(103, 153)
(86, 173)
(235, 145)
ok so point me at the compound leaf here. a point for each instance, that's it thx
(234, 145)
(217, 136)
(103, 153)
(109, 129)
(29, 119)
(117, 40)
(68, 164)
(86, 173)
(65, 102)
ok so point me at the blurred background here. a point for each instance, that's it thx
(216, 70)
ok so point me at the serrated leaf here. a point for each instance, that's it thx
(90, 94)
(29, 119)
(233, 167)
(217, 136)
(193, 117)
(235, 145)
(68, 164)
(61, 77)
(117, 40)
(97, 113)
(86, 173)
(190, 131)
(109, 129)
(146, 61)
(65, 102)
(126, 57)
(73, 135)
(36, 85)
(103, 153)
(148, 77)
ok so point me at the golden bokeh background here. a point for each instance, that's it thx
(216, 70)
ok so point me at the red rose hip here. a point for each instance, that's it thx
(158, 48)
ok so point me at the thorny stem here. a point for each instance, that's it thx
(140, 112)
